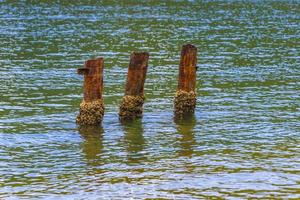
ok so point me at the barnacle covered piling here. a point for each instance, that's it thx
(92, 108)
(132, 103)
(185, 97)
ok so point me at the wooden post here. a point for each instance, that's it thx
(132, 103)
(185, 97)
(92, 108)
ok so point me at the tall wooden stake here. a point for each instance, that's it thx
(185, 97)
(92, 108)
(132, 103)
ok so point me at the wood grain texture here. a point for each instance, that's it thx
(187, 68)
(137, 74)
(93, 79)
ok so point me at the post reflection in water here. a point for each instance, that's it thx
(92, 145)
(185, 128)
(134, 141)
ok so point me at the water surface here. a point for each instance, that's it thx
(242, 142)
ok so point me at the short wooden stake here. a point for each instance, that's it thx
(132, 103)
(185, 97)
(92, 108)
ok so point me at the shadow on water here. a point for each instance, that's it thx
(92, 145)
(185, 128)
(134, 141)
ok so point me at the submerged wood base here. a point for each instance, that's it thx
(131, 107)
(90, 113)
(184, 103)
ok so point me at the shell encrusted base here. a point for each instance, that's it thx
(131, 107)
(184, 102)
(90, 113)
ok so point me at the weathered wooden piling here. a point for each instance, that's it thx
(92, 108)
(132, 103)
(185, 97)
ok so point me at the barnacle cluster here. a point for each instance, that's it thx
(131, 107)
(184, 102)
(90, 113)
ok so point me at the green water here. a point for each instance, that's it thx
(242, 142)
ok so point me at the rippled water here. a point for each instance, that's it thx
(243, 141)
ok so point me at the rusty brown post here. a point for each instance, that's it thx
(185, 97)
(92, 108)
(132, 103)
